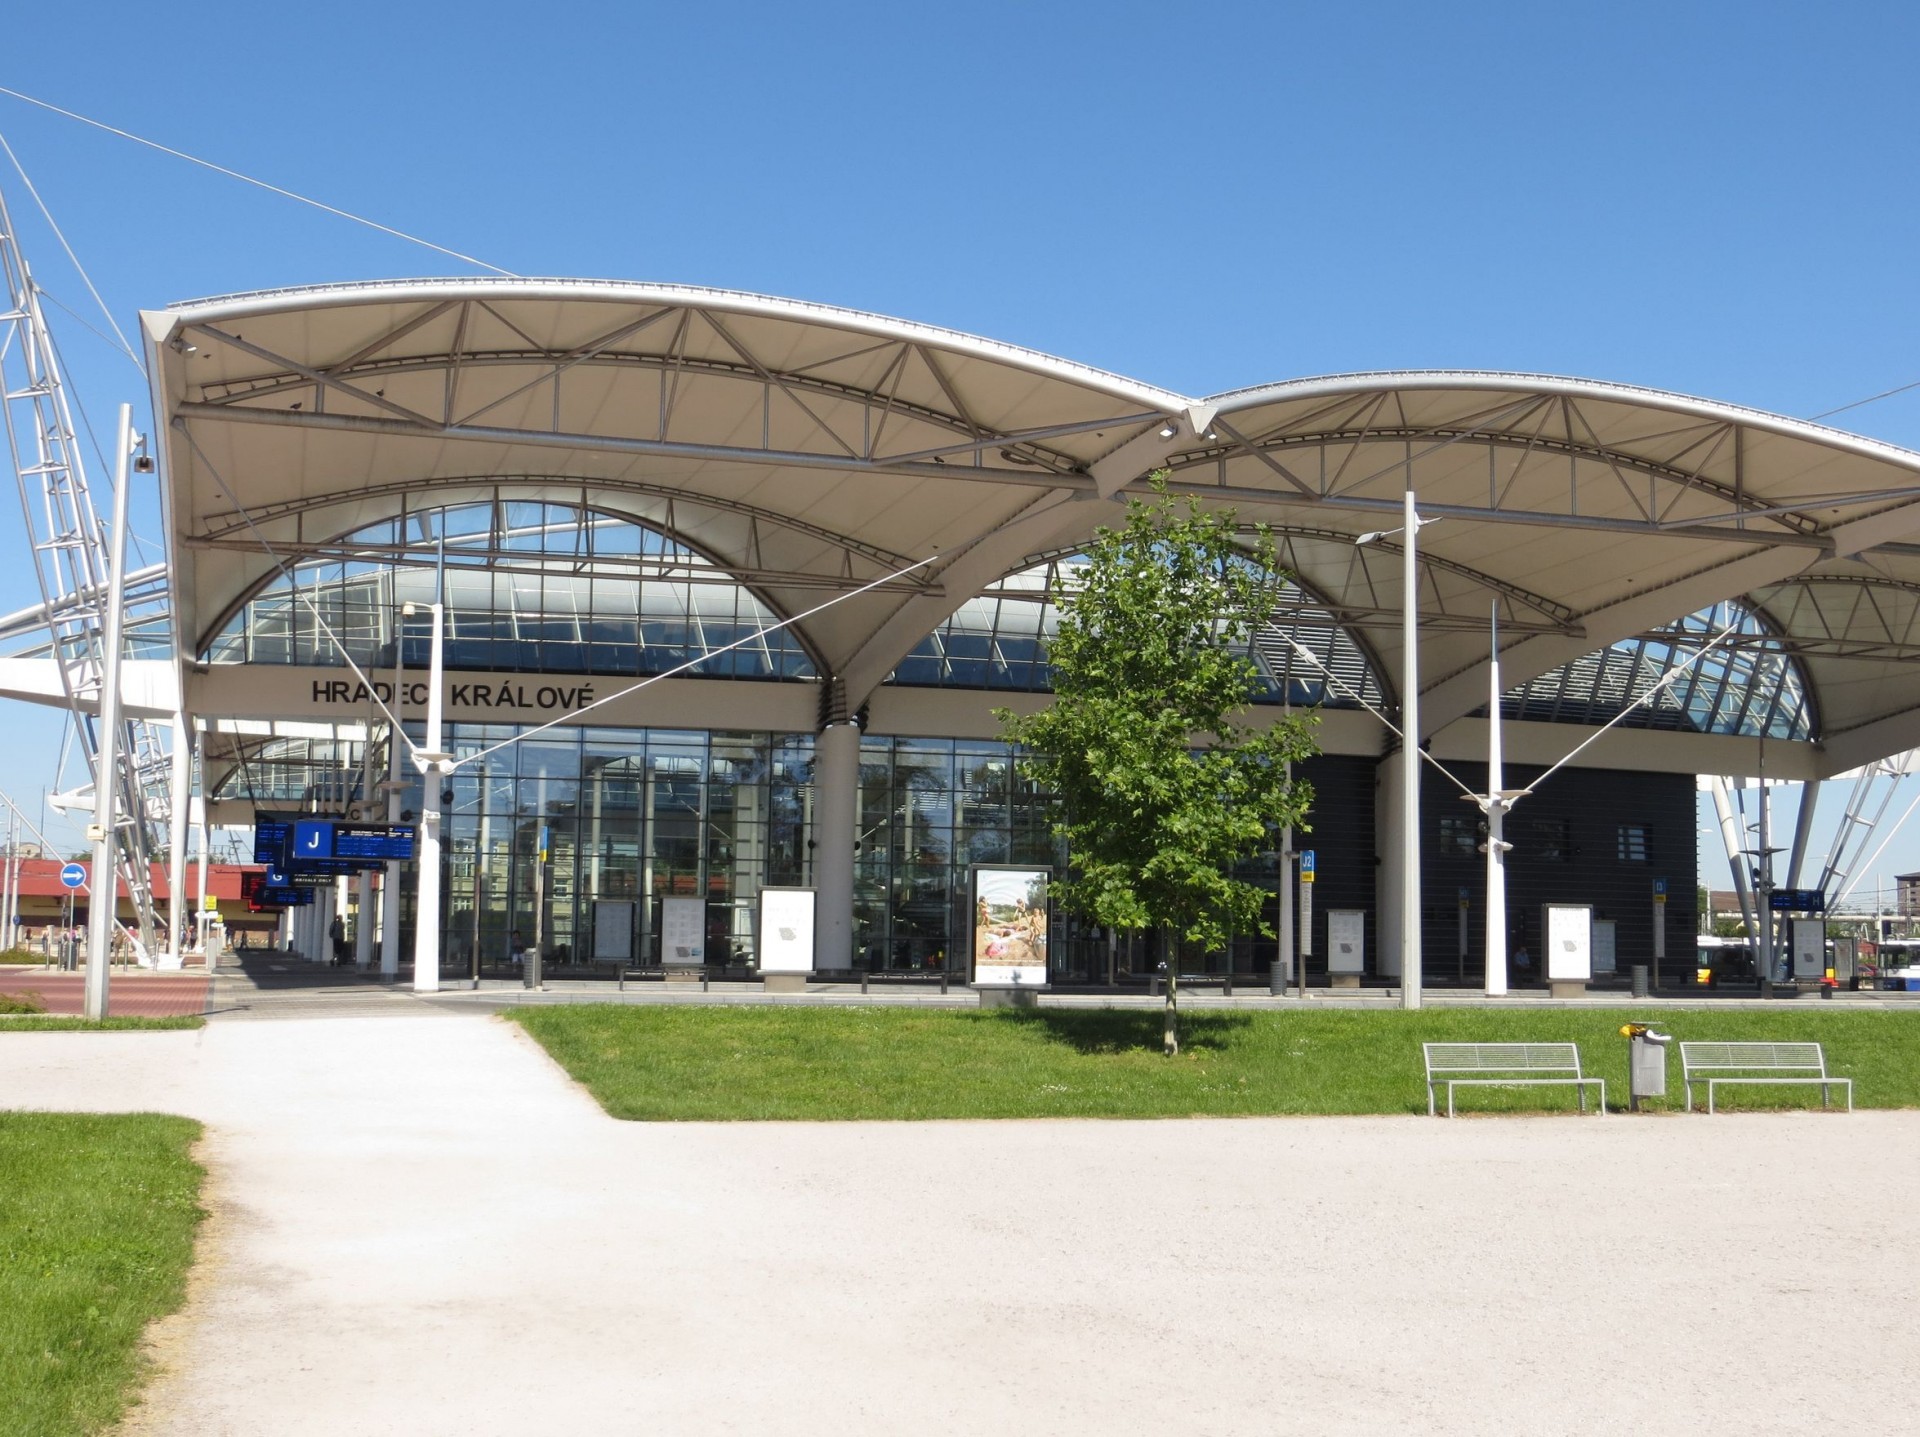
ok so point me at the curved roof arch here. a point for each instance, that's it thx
(811, 448)
(983, 646)
(609, 582)
(1630, 507)
(795, 438)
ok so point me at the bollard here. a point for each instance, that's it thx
(1639, 980)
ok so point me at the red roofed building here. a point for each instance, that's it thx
(43, 897)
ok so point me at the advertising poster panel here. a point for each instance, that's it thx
(683, 930)
(1346, 940)
(786, 930)
(1569, 930)
(1809, 948)
(1606, 957)
(1010, 922)
(613, 930)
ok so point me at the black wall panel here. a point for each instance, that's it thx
(1568, 847)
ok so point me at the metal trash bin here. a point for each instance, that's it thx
(1646, 1063)
(1639, 974)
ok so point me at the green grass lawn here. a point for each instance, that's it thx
(97, 1220)
(706, 1063)
(44, 1023)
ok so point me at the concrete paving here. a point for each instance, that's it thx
(422, 1227)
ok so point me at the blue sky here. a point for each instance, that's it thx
(1709, 198)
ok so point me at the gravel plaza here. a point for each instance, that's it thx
(422, 1226)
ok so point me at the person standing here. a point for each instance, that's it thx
(338, 933)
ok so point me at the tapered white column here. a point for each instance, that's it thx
(1496, 825)
(836, 800)
(363, 920)
(1736, 860)
(1389, 793)
(1410, 976)
(390, 879)
(181, 801)
(104, 882)
(426, 917)
(205, 834)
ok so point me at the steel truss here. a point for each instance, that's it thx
(70, 565)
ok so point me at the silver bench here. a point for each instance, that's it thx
(1755, 1063)
(1506, 1065)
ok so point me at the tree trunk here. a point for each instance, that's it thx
(1171, 1036)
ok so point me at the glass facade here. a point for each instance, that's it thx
(998, 640)
(575, 836)
(530, 588)
(626, 818)
(1750, 683)
(633, 816)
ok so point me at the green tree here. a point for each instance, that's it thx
(1163, 785)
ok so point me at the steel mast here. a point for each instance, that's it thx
(71, 564)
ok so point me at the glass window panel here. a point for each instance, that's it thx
(535, 612)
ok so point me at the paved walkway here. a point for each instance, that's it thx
(423, 1228)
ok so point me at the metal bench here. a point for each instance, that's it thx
(1755, 1063)
(666, 973)
(1507, 1065)
(907, 976)
(1156, 985)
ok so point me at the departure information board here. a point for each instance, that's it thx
(385, 841)
(323, 845)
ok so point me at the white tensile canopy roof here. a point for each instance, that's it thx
(810, 450)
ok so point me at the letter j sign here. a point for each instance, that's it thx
(312, 840)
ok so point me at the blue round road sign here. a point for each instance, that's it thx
(72, 876)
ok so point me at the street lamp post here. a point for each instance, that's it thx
(1410, 976)
(104, 885)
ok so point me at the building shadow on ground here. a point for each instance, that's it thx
(1119, 1030)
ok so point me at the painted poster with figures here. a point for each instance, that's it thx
(1010, 920)
(1569, 930)
(786, 930)
(683, 930)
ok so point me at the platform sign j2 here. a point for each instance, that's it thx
(1306, 865)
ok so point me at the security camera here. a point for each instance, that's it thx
(143, 464)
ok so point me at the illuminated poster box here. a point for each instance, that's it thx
(1010, 923)
(786, 930)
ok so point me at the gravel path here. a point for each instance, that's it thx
(423, 1228)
